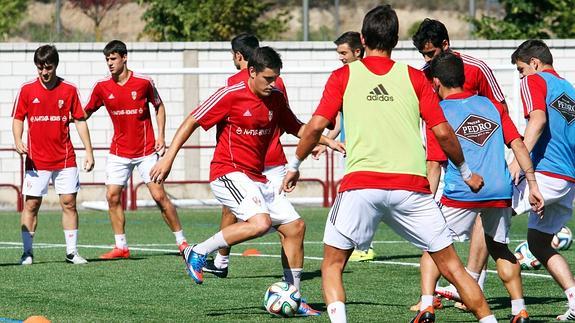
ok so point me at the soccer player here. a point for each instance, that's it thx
(385, 176)
(247, 115)
(243, 45)
(550, 137)
(483, 128)
(127, 96)
(50, 103)
(431, 39)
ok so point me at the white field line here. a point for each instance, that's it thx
(13, 245)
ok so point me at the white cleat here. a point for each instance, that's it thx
(26, 259)
(76, 259)
(568, 316)
(448, 292)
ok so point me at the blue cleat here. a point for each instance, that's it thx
(194, 263)
(306, 310)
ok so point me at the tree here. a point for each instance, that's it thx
(97, 10)
(529, 19)
(211, 20)
(11, 12)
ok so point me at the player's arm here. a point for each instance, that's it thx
(161, 170)
(94, 102)
(433, 175)
(84, 133)
(324, 140)
(524, 160)
(160, 145)
(331, 134)
(17, 131)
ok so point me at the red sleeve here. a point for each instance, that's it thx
(510, 132)
(20, 109)
(332, 98)
(287, 120)
(533, 93)
(429, 107)
(153, 95)
(214, 109)
(75, 105)
(432, 148)
(95, 101)
(487, 85)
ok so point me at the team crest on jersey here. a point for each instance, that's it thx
(257, 200)
(270, 115)
(134, 94)
(476, 129)
(60, 104)
(565, 106)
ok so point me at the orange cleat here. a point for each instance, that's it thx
(116, 253)
(425, 316)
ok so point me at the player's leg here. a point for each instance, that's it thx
(332, 266)
(429, 277)
(219, 265)
(118, 170)
(35, 186)
(66, 184)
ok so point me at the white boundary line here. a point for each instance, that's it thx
(14, 245)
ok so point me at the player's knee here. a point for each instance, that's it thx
(261, 225)
(32, 205)
(113, 198)
(69, 204)
(299, 227)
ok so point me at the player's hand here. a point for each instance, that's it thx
(160, 171)
(317, 151)
(337, 146)
(536, 199)
(515, 171)
(475, 183)
(21, 147)
(290, 180)
(160, 146)
(88, 162)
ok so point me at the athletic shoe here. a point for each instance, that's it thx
(306, 310)
(449, 292)
(183, 246)
(211, 268)
(425, 316)
(76, 259)
(522, 317)
(116, 253)
(194, 264)
(461, 306)
(360, 256)
(27, 258)
(437, 304)
(568, 316)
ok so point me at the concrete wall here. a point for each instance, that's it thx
(83, 64)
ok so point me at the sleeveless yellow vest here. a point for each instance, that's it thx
(381, 121)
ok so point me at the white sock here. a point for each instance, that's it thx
(213, 243)
(27, 239)
(482, 278)
(71, 241)
(121, 242)
(517, 305)
(293, 276)
(488, 319)
(179, 237)
(220, 261)
(336, 311)
(426, 300)
(570, 293)
(472, 274)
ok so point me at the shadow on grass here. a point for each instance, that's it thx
(497, 303)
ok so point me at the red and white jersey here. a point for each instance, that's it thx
(246, 124)
(49, 113)
(275, 155)
(479, 79)
(129, 109)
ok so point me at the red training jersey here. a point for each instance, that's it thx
(128, 107)
(246, 124)
(275, 155)
(331, 103)
(49, 113)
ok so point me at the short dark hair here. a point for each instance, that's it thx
(448, 68)
(46, 55)
(265, 57)
(532, 48)
(380, 28)
(430, 31)
(245, 44)
(116, 46)
(352, 39)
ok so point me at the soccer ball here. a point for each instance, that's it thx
(562, 240)
(526, 259)
(282, 299)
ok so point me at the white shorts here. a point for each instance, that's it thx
(246, 198)
(275, 174)
(66, 181)
(496, 222)
(355, 215)
(119, 169)
(558, 195)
